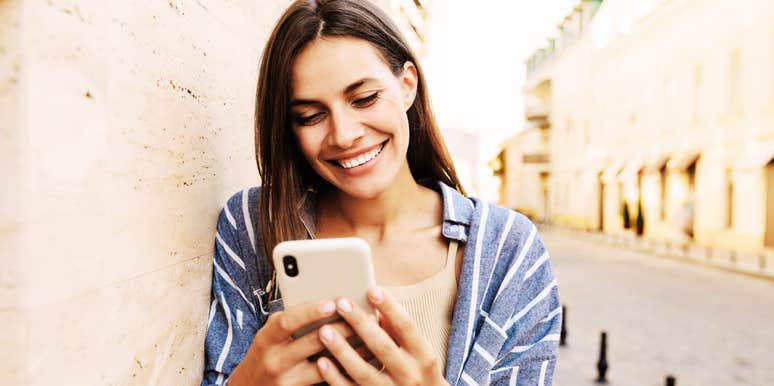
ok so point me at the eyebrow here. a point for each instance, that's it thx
(352, 87)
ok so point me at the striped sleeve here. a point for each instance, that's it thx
(529, 290)
(232, 320)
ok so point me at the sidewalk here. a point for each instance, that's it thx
(759, 265)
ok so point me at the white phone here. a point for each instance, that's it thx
(309, 270)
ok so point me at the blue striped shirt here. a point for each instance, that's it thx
(507, 316)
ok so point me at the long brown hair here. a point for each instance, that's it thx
(284, 172)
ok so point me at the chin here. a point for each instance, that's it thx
(368, 186)
(365, 190)
(364, 187)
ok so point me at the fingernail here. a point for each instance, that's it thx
(377, 295)
(323, 364)
(327, 334)
(327, 308)
(345, 305)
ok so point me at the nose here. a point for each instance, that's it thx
(345, 130)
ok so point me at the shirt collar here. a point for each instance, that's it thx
(457, 213)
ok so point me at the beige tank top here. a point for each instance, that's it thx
(431, 304)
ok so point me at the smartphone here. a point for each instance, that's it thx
(309, 270)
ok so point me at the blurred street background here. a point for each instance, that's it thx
(645, 150)
(639, 135)
(662, 317)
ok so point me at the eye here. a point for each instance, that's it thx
(309, 120)
(367, 101)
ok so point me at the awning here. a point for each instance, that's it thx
(631, 169)
(610, 173)
(754, 159)
(655, 165)
(682, 161)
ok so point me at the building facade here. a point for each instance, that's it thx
(662, 114)
(524, 166)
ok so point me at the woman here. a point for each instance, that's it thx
(347, 145)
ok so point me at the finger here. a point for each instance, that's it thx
(363, 351)
(385, 324)
(361, 371)
(376, 339)
(304, 373)
(401, 326)
(309, 344)
(284, 323)
(331, 374)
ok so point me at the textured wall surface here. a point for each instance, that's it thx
(13, 331)
(125, 126)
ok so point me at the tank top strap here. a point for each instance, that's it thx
(451, 255)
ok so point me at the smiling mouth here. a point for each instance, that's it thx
(364, 158)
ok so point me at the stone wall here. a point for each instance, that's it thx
(124, 128)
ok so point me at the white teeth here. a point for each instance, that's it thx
(361, 159)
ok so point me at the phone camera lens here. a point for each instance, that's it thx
(291, 267)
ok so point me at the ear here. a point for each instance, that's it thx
(408, 81)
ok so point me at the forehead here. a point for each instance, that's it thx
(328, 65)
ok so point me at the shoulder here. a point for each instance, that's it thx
(507, 239)
(238, 237)
(496, 220)
(241, 210)
(475, 212)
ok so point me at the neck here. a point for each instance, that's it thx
(404, 206)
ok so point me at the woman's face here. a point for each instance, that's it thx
(348, 114)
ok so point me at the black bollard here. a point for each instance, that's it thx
(670, 380)
(563, 332)
(602, 362)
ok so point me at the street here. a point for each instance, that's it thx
(702, 325)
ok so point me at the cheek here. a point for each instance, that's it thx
(308, 143)
(389, 112)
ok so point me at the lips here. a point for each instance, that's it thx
(353, 162)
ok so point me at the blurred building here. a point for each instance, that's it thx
(470, 162)
(527, 173)
(411, 17)
(667, 105)
(525, 158)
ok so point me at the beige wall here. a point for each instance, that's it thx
(13, 328)
(125, 126)
(674, 83)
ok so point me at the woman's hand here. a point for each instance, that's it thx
(274, 358)
(407, 358)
